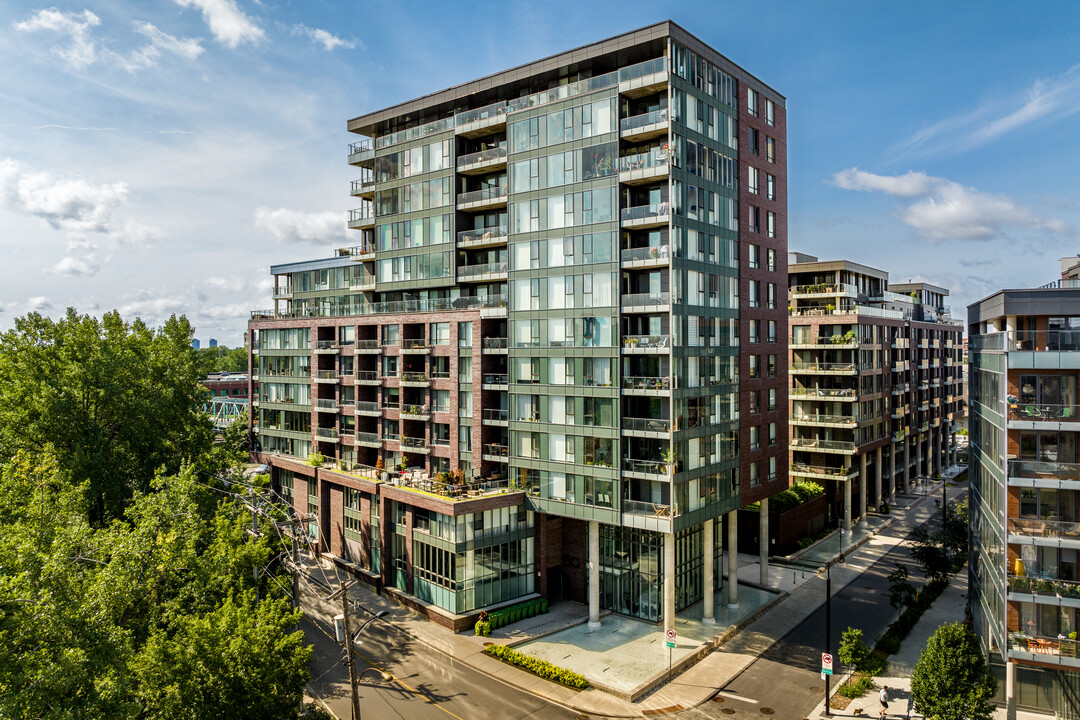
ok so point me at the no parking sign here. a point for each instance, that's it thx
(826, 664)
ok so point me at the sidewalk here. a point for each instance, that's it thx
(691, 688)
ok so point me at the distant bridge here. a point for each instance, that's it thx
(224, 410)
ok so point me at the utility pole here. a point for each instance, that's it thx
(344, 590)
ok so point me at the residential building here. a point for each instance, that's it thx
(875, 382)
(540, 368)
(1024, 352)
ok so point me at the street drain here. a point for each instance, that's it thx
(488, 643)
(817, 688)
(728, 711)
(717, 699)
(767, 711)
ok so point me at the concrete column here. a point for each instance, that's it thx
(918, 457)
(732, 559)
(907, 466)
(1010, 690)
(864, 479)
(594, 574)
(892, 474)
(709, 540)
(847, 506)
(669, 580)
(763, 541)
(877, 479)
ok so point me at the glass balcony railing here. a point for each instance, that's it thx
(496, 450)
(1037, 470)
(825, 419)
(1044, 528)
(1044, 586)
(362, 213)
(643, 161)
(328, 433)
(827, 289)
(482, 235)
(483, 195)
(823, 392)
(630, 382)
(367, 375)
(494, 343)
(496, 414)
(640, 507)
(366, 406)
(326, 375)
(659, 425)
(642, 299)
(1055, 413)
(496, 379)
(638, 121)
(662, 252)
(484, 156)
(417, 410)
(368, 438)
(821, 470)
(654, 211)
(414, 377)
(823, 367)
(414, 132)
(388, 307)
(494, 110)
(414, 344)
(497, 268)
(414, 443)
(643, 69)
(657, 342)
(326, 404)
(649, 467)
(360, 146)
(815, 444)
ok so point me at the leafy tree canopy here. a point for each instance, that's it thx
(951, 680)
(220, 358)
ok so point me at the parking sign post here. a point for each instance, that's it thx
(670, 638)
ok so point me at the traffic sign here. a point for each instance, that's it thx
(670, 637)
(826, 664)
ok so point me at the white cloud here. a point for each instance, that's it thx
(148, 55)
(943, 209)
(322, 37)
(230, 25)
(65, 203)
(76, 267)
(296, 226)
(38, 303)
(1046, 100)
(81, 51)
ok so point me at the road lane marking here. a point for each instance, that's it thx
(733, 696)
(370, 662)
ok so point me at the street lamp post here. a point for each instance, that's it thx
(350, 638)
(385, 676)
(828, 624)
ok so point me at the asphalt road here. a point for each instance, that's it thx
(787, 677)
(427, 685)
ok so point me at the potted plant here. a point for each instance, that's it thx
(380, 469)
(654, 253)
(829, 307)
(316, 459)
(1018, 640)
(849, 336)
(669, 459)
(404, 463)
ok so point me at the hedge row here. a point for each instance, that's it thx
(542, 668)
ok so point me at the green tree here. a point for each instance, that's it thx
(220, 358)
(901, 591)
(159, 614)
(853, 651)
(951, 680)
(116, 401)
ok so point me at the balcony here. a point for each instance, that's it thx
(645, 216)
(1032, 473)
(829, 446)
(367, 408)
(484, 199)
(646, 126)
(818, 368)
(646, 256)
(326, 405)
(643, 78)
(485, 272)
(327, 376)
(646, 302)
(367, 346)
(646, 427)
(494, 345)
(362, 188)
(482, 237)
(367, 377)
(415, 379)
(646, 385)
(646, 344)
(643, 168)
(362, 153)
(824, 393)
(327, 434)
(825, 342)
(366, 439)
(482, 162)
(362, 217)
(494, 416)
(496, 381)
(1058, 531)
(327, 347)
(646, 467)
(480, 121)
(415, 346)
(843, 421)
(648, 509)
(283, 293)
(1030, 589)
(415, 445)
(820, 472)
(496, 303)
(1044, 413)
(494, 452)
(364, 282)
(824, 290)
(415, 412)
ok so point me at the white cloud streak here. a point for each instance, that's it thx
(230, 26)
(81, 50)
(295, 226)
(328, 40)
(945, 210)
(76, 267)
(1047, 100)
(65, 203)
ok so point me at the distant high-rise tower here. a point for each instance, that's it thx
(213, 342)
(195, 343)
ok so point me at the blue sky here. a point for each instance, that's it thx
(157, 157)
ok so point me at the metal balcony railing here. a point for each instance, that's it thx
(650, 118)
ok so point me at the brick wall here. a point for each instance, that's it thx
(336, 519)
(574, 554)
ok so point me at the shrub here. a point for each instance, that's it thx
(856, 687)
(541, 668)
(316, 459)
(483, 628)
(853, 651)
